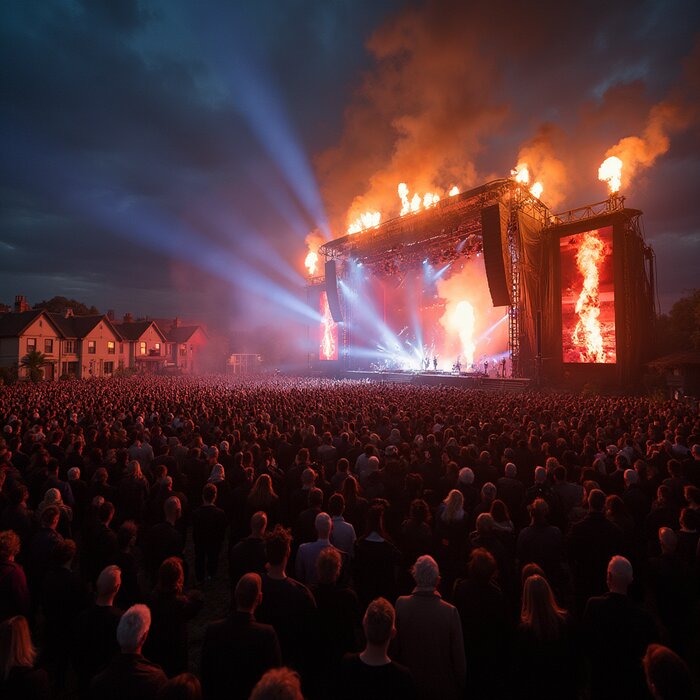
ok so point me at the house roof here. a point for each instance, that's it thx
(135, 329)
(75, 326)
(677, 359)
(13, 325)
(181, 334)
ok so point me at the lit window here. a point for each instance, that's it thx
(111, 347)
(92, 347)
(142, 347)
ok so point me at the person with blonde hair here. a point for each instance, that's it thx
(545, 645)
(451, 535)
(19, 680)
(278, 684)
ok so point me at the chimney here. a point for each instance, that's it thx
(110, 314)
(128, 318)
(176, 322)
(21, 304)
(69, 312)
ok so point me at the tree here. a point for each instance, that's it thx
(33, 362)
(58, 305)
(680, 329)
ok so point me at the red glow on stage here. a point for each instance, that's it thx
(328, 345)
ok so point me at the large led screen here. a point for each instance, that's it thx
(328, 331)
(588, 297)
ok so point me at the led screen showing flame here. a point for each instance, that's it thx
(588, 297)
(328, 332)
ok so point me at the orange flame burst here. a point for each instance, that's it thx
(415, 203)
(610, 171)
(453, 191)
(311, 262)
(368, 219)
(463, 321)
(536, 190)
(587, 334)
(521, 173)
(327, 323)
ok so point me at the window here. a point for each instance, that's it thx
(183, 351)
(31, 344)
(69, 347)
(108, 367)
(157, 346)
(48, 345)
(142, 347)
(111, 347)
(92, 347)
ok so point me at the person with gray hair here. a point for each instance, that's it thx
(617, 633)
(308, 553)
(130, 674)
(429, 637)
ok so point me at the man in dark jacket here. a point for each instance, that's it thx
(130, 674)
(208, 530)
(249, 555)
(238, 650)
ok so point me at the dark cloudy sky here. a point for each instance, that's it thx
(169, 157)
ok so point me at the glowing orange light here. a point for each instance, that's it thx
(368, 219)
(328, 350)
(587, 334)
(311, 262)
(463, 321)
(610, 171)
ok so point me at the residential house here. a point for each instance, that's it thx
(187, 344)
(24, 331)
(91, 346)
(145, 345)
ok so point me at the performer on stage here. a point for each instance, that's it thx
(486, 367)
(435, 363)
(503, 368)
(458, 364)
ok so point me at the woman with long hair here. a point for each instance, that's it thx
(53, 497)
(451, 536)
(19, 679)
(262, 496)
(132, 493)
(171, 610)
(355, 504)
(545, 653)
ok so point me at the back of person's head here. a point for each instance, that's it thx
(126, 535)
(63, 553)
(689, 519)
(530, 569)
(539, 511)
(425, 572)
(209, 492)
(343, 465)
(258, 523)
(419, 510)
(668, 676)
(278, 684)
(559, 473)
(378, 622)
(539, 610)
(323, 525)
(308, 477)
(620, 573)
(9, 544)
(540, 475)
(328, 565)
(50, 516)
(482, 565)
(248, 592)
(171, 576)
(133, 627)
(172, 507)
(109, 580)
(631, 477)
(106, 512)
(185, 686)
(16, 648)
(488, 491)
(484, 523)
(466, 476)
(336, 505)
(596, 501)
(454, 503)
(668, 540)
(315, 498)
(277, 545)
(511, 471)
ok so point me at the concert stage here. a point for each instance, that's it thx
(489, 277)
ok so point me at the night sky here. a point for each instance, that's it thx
(167, 157)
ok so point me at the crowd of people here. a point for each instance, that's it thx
(375, 540)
